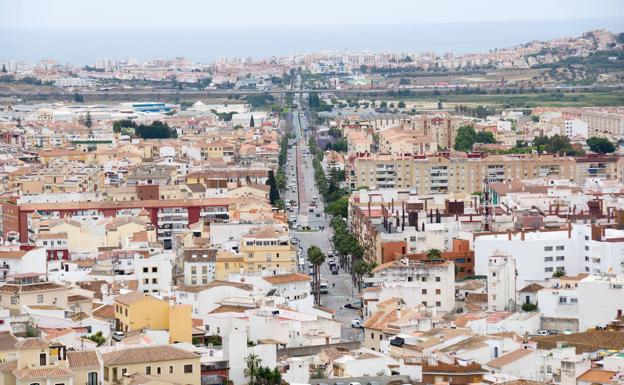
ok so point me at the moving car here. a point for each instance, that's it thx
(324, 287)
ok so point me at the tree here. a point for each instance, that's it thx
(98, 338)
(274, 191)
(78, 98)
(433, 254)
(88, 122)
(4, 70)
(529, 307)
(340, 145)
(401, 104)
(558, 273)
(252, 361)
(339, 207)
(465, 138)
(383, 104)
(156, 130)
(251, 122)
(316, 257)
(484, 137)
(600, 145)
(361, 268)
(318, 374)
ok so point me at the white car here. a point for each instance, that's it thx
(356, 323)
(118, 336)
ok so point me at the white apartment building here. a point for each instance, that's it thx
(427, 283)
(539, 254)
(154, 273)
(14, 261)
(574, 128)
(199, 267)
(594, 301)
(501, 283)
(206, 298)
(75, 82)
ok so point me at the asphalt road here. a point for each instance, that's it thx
(341, 288)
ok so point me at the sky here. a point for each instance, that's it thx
(185, 14)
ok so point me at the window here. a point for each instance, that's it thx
(42, 359)
(39, 298)
(148, 370)
(563, 300)
(424, 291)
(13, 300)
(158, 370)
(170, 369)
(410, 279)
(92, 378)
(193, 270)
(154, 280)
(438, 291)
(548, 270)
(573, 300)
(372, 335)
(560, 258)
(559, 248)
(548, 259)
(548, 248)
(437, 279)
(587, 248)
(188, 368)
(438, 303)
(424, 279)
(424, 303)
(145, 270)
(154, 269)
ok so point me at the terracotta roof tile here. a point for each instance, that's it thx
(32, 343)
(31, 374)
(287, 278)
(83, 359)
(508, 358)
(147, 354)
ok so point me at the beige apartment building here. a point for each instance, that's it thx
(161, 363)
(460, 173)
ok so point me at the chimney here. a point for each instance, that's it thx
(508, 235)
(569, 230)
(431, 216)
(522, 235)
(369, 209)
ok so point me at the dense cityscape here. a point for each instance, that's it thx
(323, 218)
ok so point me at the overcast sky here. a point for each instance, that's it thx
(172, 14)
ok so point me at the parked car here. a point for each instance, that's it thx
(356, 323)
(118, 336)
(353, 306)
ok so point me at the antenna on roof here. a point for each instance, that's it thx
(486, 205)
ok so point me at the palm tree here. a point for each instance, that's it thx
(434, 254)
(360, 267)
(253, 363)
(316, 257)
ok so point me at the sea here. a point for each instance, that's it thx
(204, 45)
